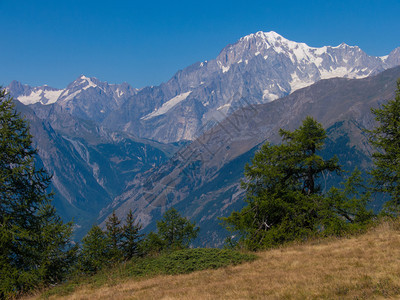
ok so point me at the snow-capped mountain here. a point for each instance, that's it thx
(31, 95)
(78, 129)
(202, 180)
(258, 68)
(307, 64)
(85, 97)
(89, 164)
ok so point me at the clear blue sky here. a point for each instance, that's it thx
(146, 42)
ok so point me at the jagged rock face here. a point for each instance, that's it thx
(90, 165)
(393, 59)
(259, 68)
(202, 180)
(93, 135)
(87, 98)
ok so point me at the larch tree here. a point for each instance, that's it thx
(131, 237)
(114, 234)
(176, 231)
(95, 252)
(284, 200)
(35, 246)
(386, 138)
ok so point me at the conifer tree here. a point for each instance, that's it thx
(176, 231)
(284, 199)
(347, 207)
(303, 164)
(95, 251)
(153, 244)
(131, 237)
(386, 138)
(34, 243)
(58, 253)
(114, 234)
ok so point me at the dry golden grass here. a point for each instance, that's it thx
(362, 267)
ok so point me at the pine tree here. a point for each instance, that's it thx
(95, 251)
(176, 231)
(304, 165)
(153, 244)
(114, 234)
(346, 207)
(386, 138)
(34, 243)
(131, 237)
(284, 199)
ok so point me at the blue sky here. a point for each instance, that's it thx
(146, 42)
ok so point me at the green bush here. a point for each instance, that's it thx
(178, 262)
(186, 261)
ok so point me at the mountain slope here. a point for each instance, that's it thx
(95, 135)
(202, 179)
(258, 68)
(87, 98)
(90, 165)
(359, 267)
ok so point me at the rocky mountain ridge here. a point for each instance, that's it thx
(88, 98)
(258, 68)
(89, 164)
(203, 179)
(108, 146)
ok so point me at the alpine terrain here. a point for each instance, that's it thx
(112, 146)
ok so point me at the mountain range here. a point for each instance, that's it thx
(89, 165)
(185, 142)
(258, 68)
(203, 179)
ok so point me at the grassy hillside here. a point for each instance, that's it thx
(361, 267)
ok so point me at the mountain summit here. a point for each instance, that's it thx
(86, 97)
(94, 136)
(258, 68)
(305, 64)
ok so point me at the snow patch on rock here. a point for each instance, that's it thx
(167, 106)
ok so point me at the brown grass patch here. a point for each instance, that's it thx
(362, 267)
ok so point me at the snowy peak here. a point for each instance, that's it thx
(82, 83)
(92, 85)
(31, 95)
(270, 52)
(393, 58)
(342, 46)
(47, 95)
(266, 40)
(87, 82)
(86, 97)
(258, 68)
(270, 37)
(271, 43)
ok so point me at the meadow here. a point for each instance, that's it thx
(365, 266)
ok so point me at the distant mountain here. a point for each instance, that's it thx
(259, 68)
(85, 97)
(202, 179)
(109, 146)
(90, 165)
